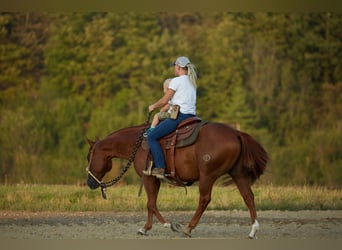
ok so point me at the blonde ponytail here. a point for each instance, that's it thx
(192, 74)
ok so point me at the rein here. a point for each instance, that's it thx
(104, 185)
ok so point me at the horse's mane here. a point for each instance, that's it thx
(125, 129)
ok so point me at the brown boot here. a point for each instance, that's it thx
(157, 172)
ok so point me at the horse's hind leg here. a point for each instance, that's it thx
(205, 189)
(244, 186)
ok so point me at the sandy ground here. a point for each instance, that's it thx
(213, 225)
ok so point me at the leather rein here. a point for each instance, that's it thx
(104, 185)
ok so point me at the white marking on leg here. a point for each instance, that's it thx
(167, 225)
(255, 228)
(142, 231)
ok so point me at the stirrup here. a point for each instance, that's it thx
(147, 172)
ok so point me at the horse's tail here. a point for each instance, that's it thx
(254, 158)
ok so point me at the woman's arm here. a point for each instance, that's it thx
(162, 101)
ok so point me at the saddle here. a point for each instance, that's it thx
(185, 135)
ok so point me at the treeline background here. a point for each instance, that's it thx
(68, 76)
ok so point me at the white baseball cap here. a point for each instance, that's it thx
(181, 61)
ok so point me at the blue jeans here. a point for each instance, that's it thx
(164, 128)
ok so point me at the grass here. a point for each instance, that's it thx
(61, 198)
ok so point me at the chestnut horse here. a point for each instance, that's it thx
(219, 150)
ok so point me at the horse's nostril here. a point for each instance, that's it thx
(92, 184)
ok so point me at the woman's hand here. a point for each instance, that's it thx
(150, 108)
(162, 101)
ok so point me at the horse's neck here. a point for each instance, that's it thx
(120, 143)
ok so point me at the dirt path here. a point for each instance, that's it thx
(213, 225)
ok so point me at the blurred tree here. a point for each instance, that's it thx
(22, 38)
(224, 63)
(68, 76)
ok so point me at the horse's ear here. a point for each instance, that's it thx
(91, 143)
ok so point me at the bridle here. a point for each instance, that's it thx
(101, 183)
(88, 167)
(138, 142)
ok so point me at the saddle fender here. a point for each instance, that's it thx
(185, 135)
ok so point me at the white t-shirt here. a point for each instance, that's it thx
(185, 94)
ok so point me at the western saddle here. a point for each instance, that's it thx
(185, 135)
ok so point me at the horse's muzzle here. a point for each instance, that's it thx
(92, 183)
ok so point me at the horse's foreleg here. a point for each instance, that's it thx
(152, 186)
(246, 192)
(204, 200)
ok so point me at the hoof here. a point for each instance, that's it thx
(187, 232)
(142, 231)
(186, 235)
(167, 225)
(176, 227)
(255, 228)
(252, 237)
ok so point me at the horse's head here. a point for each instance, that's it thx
(99, 163)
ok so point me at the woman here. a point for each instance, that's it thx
(181, 92)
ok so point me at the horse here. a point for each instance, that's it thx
(220, 150)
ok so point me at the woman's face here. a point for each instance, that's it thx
(178, 70)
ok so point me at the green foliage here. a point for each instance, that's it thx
(65, 77)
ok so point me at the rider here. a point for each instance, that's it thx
(181, 92)
(164, 112)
